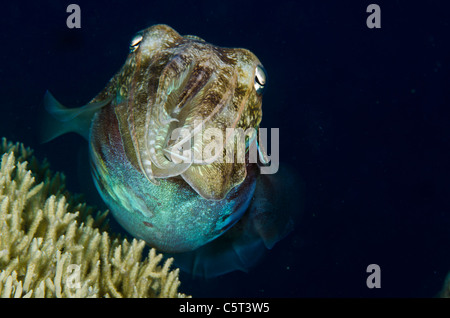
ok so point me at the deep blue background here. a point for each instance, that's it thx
(363, 116)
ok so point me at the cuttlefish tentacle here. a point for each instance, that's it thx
(190, 94)
(225, 100)
(196, 124)
(140, 151)
(158, 119)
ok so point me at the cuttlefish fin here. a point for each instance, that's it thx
(276, 207)
(59, 120)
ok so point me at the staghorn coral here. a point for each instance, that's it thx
(52, 247)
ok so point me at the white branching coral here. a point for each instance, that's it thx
(46, 250)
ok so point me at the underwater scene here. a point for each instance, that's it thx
(225, 149)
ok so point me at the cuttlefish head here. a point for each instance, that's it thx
(177, 100)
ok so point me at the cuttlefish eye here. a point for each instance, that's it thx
(134, 44)
(260, 79)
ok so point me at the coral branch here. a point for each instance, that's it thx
(52, 247)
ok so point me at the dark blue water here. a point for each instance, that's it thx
(363, 117)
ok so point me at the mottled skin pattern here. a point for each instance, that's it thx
(170, 81)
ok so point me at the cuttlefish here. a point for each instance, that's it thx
(147, 131)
